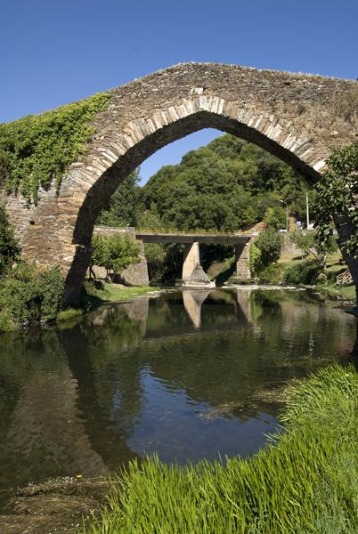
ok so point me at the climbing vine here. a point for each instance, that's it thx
(36, 150)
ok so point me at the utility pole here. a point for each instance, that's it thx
(307, 212)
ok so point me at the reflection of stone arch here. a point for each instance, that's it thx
(292, 116)
(47, 428)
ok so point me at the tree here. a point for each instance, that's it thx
(275, 217)
(269, 243)
(114, 252)
(230, 176)
(308, 243)
(124, 204)
(337, 203)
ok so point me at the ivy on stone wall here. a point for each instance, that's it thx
(36, 150)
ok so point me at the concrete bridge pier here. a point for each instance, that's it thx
(192, 273)
(242, 258)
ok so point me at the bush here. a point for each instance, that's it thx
(271, 274)
(302, 273)
(6, 321)
(114, 252)
(269, 244)
(28, 295)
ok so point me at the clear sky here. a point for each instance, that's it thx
(58, 51)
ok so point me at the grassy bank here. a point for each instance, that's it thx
(304, 481)
(103, 292)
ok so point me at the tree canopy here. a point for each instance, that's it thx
(337, 199)
(227, 185)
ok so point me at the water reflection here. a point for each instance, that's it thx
(176, 375)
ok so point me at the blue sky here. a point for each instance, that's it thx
(58, 51)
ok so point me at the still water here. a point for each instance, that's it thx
(184, 375)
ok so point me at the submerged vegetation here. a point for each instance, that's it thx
(304, 481)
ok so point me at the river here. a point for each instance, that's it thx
(186, 375)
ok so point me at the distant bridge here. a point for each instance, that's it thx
(192, 271)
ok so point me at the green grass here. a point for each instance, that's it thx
(333, 291)
(106, 292)
(304, 481)
(116, 293)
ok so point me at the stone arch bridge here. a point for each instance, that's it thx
(299, 118)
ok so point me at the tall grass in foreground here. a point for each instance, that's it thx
(304, 482)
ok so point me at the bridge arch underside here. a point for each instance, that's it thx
(288, 115)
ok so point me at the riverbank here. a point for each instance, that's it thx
(102, 293)
(60, 505)
(304, 481)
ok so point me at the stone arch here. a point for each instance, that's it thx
(288, 115)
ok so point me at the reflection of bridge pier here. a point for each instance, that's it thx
(192, 300)
(243, 298)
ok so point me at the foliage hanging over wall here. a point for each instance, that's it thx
(36, 150)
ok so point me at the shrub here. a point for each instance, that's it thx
(29, 295)
(6, 321)
(302, 273)
(271, 274)
(114, 252)
(269, 244)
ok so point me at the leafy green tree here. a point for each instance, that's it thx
(275, 217)
(308, 243)
(229, 176)
(337, 202)
(337, 199)
(114, 252)
(269, 244)
(123, 207)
